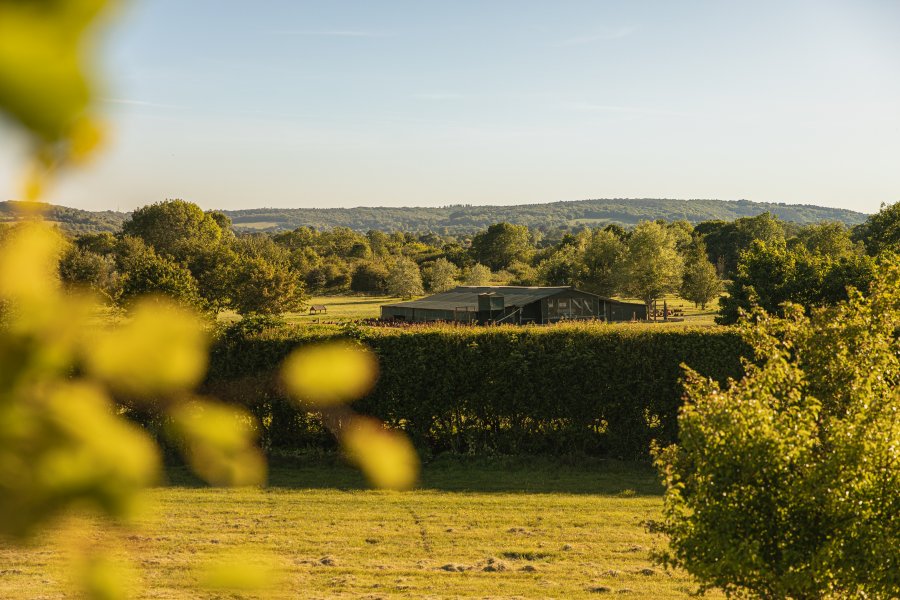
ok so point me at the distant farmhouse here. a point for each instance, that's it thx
(513, 304)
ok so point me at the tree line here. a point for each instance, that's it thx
(176, 249)
(467, 219)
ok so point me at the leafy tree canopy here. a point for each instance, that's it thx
(787, 483)
(442, 275)
(831, 239)
(173, 227)
(770, 274)
(701, 283)
(501, 244)
(652, 265)
(603, 254)
(404, 279)
(147, 273)
(882, 230)
(477, 274)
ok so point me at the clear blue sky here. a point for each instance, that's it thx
(235, 104)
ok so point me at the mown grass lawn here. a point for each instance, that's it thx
(341, 308)
(500, 529)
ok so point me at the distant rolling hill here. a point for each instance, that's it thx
(469, 218)
(461, 219)
(72, 220)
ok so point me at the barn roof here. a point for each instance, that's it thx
(466, 296)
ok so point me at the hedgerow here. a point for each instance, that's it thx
(595, 389)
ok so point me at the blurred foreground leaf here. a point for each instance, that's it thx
(63, 442)
(103, 578)
(28, 265)
(162, 349)
(331, 373)
(60, 441)
(219, 443)
(386, 457)
(44, 85)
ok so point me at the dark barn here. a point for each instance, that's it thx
(513, 304)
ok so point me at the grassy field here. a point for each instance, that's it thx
(486, 530)
(344, 308)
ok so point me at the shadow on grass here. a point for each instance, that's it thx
(532, 475)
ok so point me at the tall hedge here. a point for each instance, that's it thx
(598, 389)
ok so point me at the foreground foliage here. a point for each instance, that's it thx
(65, 381)
(787, 483)
(63, 440)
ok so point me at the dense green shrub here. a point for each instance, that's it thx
(597, 389)
(787, 484)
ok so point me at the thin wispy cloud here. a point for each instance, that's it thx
(347, 33)
(614, 108)
(598, 36)
(438, 96)
(144, 103)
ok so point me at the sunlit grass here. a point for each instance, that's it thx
(344, 307)
(692, 315)
(498, 529)
(340, 309)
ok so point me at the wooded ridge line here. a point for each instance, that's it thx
(462, 218)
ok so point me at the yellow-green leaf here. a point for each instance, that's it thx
(386, 457)
(162, 350)
(330, 373)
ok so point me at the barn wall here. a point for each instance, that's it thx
(566, 305)
(424, 315)
(625, 311)
(573, 305)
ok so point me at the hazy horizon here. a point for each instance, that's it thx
(347, 103)
(446, 206)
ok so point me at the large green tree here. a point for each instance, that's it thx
(652, 265)
(502, 244)
(601, 262)
(369, 276)
(442, 275)
(478, 275)
(882, 230)
(261, 286)
(726, 240)
(200, 241)
(263, 279)
(174, 228)
(828, 239)
(213, 268)
(700, 283)
(770, 274)
(787, 483)
(404, 279)
(87, 269)
(144, 272)
(562, 267)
